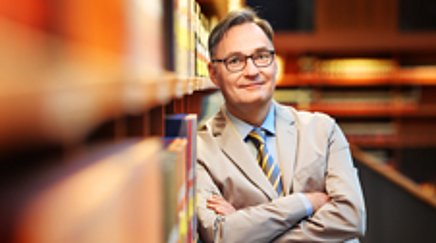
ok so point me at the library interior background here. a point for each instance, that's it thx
(100, 101)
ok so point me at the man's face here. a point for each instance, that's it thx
(252, 85)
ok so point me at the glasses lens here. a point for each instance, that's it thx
(235, 63)
(263, 58)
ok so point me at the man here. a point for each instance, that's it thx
(309, 191)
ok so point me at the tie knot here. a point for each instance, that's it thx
(256, 137)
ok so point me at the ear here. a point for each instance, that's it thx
(212, 73)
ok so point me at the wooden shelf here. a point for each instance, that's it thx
(354, 42)
(391, 109)
(412, 76)
(314, 79)
(417, 76)
(117, 178)
(385, 141)
(392, 141)
(53, 90)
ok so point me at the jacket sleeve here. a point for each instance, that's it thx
(261, 223)
(343, 217)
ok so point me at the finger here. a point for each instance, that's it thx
(216, 200)
(216, 197)
(213, 201)
(212, 207)
(220, 210)
(224, 210)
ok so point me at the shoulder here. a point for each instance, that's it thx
(316, 127)
(214, 125)
(209, 131)
(304, 118)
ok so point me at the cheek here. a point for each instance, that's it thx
(228, 81)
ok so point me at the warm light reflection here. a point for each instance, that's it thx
(234, 4)
(357, 67)
(280, 68)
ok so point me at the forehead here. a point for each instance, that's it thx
(244, 38)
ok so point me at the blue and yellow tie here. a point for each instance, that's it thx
(269, 167)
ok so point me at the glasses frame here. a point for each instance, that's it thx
(246, 57)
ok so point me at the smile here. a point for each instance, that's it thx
(252, 85)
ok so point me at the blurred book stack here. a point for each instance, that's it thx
(184, 126)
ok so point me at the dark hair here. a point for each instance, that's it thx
(234, 18)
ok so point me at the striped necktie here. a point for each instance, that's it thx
(269, 167)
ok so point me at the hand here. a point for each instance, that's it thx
(317, 199)
(220, 205)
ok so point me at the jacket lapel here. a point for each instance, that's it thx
(233, 146)
(286, 144)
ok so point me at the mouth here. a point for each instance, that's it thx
(251, 85)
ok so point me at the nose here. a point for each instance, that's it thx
(250, 68)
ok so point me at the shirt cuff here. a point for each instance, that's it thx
(307, 204)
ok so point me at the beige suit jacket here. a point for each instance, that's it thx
(313, 155)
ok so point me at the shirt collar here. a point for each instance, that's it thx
(269, 122)
(244, 128)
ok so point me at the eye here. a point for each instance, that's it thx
(235, 60)
(264, 55)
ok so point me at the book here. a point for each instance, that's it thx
(185, 126)
(111, 193)
(174, 190)
(190, 30)
(144, 47)
(369, 128)
(298, 96)
(84, 23)
(182, 38)
(357, 67)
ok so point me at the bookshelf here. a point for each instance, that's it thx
(82, 114)
(97, 196)
(390, 111)
(391, 115)
(377, 79)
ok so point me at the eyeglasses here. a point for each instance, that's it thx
(237, 62)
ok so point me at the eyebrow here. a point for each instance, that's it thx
(264, 48)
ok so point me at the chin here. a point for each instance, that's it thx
(260, 100)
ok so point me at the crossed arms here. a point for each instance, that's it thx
(339, 212)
